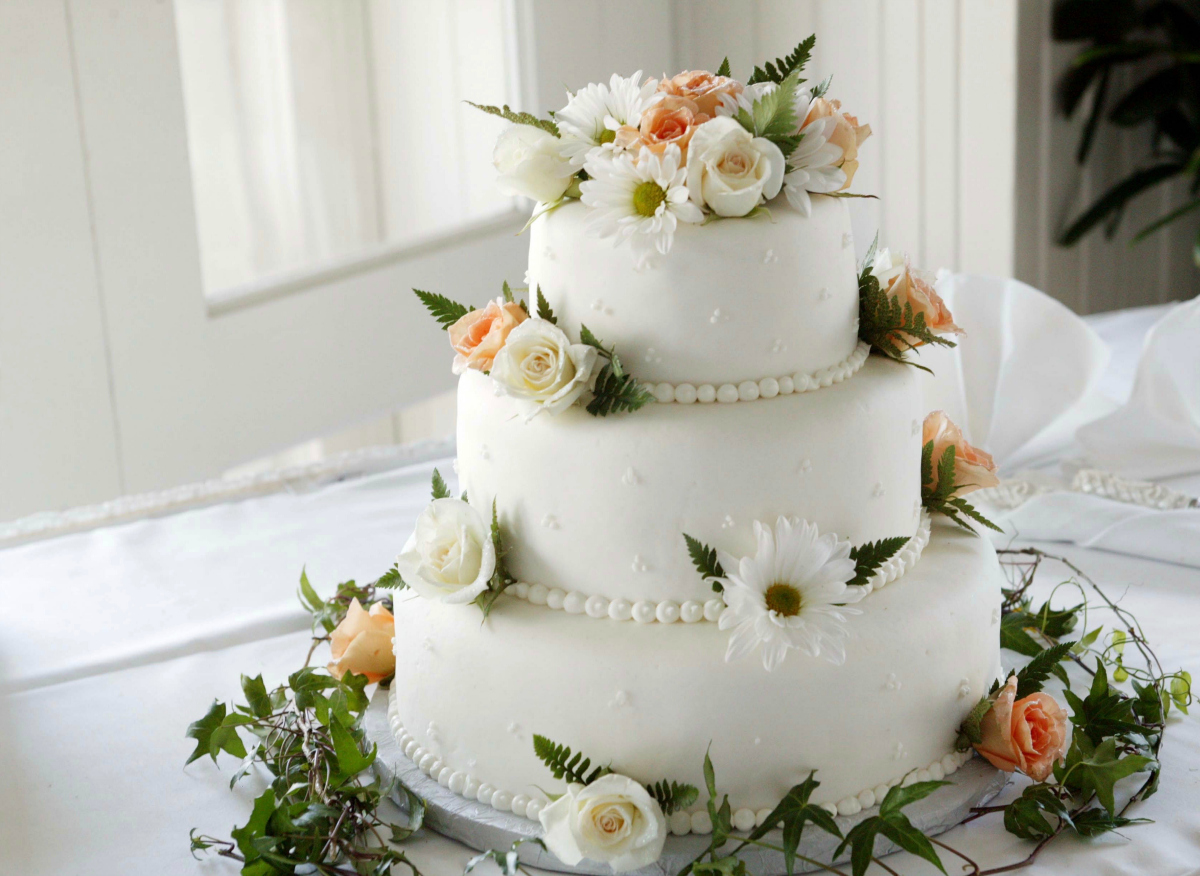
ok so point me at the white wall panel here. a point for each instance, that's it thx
(58, 444)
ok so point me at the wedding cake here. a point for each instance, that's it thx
(702, 509)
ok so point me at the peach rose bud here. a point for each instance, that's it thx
(1029, 734)
(974, 469)
(701, 87)
(478, 336)
(898, 279)
(362, 643)
(671, 120)
(848, 133)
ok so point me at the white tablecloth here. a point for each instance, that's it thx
(113, 640)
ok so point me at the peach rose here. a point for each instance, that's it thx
(478, 336)
(362, 643)
(847, 133)
(671, 120)
(898, 279)
(1029, 734)
(702, 87)
(973, 468)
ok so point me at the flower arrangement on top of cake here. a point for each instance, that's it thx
(645, 156)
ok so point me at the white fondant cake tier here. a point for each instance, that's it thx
(650, 699)
(599, 506)
(735, 300)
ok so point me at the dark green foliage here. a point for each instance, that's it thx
(445, 311)
(501, 580)
(673, 796)
(939, 494)
(781, 68)
(1031, 678)
(565, 765)
(893, 824)
(704, 558)
(615, 389)
(518, 118)
(543, 308)
(891, 328)
(723, 70)
(870, 556)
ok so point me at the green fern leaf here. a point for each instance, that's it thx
(723, 70)
(615, 392)
(390, 580)
(506, 291)
(518, 118)
(673, 796)
(1037, 671)
(543, 308)
(926, 466)
(563, 764)
(781, 68)
(440, 490)
(445, 311)
(870, 556)
(773, 116)
(969, 733)
(704, 558)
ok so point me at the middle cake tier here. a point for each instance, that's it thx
(598, 506)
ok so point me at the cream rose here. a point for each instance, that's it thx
(450, 556)
(478, 336)
(973, 468)
(613, 820)
(701, 87)
(539, 364)
(1029, 734)
(672, 120)
(362, 643)
(898, 278)
(532, 164)
(731, 171)
(848, 133)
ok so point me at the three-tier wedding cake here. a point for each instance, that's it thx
(702, 507)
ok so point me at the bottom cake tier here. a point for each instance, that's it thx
(649, 700)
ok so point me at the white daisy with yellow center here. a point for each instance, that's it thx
(791, 594)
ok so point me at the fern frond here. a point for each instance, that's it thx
(781, 68)
(870, 556)
(723, 70)
(673, 796)
(445, 311)
(616, 391)
(565, 764)
(773, 116)
(440, 490)
(1031, 678)
(390, 580)
(543, 308)
(518, 118)
(704, 558)
(506, 292)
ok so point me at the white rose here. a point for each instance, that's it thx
(532, 164)
(730, 170)
(539, 364)
(613, 820)
(450, 556)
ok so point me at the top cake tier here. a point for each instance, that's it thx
(735, 300)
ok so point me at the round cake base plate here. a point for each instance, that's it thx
(481, 827)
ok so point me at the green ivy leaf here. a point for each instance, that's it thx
(792, 813)
(255, 828)
(1096, 821)
(350, 758)
(1026, 817)
(894, 825)
(1014, 637)
(1102, 768)
(202, 731)
(257, 699)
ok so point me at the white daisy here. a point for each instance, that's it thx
(640, 200)
(730, 103)
(814, 166)
(791, 594)
(593, 113)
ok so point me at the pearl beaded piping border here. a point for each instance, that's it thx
(643, 611)
(768, 387)
(680, 823)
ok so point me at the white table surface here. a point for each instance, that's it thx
(113, 640)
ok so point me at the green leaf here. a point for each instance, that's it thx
(307, 685)
(256, 827)
(1014, 637)
(1031, 678)
(1162, 222)
(390, 580)
(773, 115)
(202, 731)
(673, 796)
(506, 292)
(1095, 821)
(781, 68)
(870, 556)
(543, 308)
(792, 813)
(1057, 623)
(704, 558)
(1154, 94)
(615, 393)
(308, 597)
(571, 767)
(518, 118)
(969, 729)
(1116, 197)
(1026, 816)
(445, 311)
(350, 758)
(893, 824)
(900, 796)
(1100, 771)
(256, 695)
(890, 328)
(440, 490)
(900, 831)
(724, 70)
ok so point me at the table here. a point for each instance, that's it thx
(113, 640)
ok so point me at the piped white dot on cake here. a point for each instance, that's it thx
(434, 733)
(778, 346)
(916, 427)
(892, 682)
(548, 253)
(454, 465)
(427, 643)
(996, 615)
(805, 466)
(717, 316)
(877, 490)
(847, 239)
(916, 507)
(727, 523)
(824, 295)
(630, 478)
(898, 751)
(550, 521)
(619, 700)
(639, 565)
(597, 305)
(484, 453)
(964, 688)
(769, 257)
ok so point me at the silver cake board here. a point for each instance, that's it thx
(481, 827)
